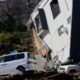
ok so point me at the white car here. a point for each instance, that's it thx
(24, 61)
(68, 68)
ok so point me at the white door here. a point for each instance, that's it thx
(9, 63)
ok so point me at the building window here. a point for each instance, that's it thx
(62, 29)
(38, 23)
(69, 19)
(41, 22)
(55, 8)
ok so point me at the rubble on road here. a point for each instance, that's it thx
(44, 76)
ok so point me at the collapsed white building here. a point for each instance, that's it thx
(52, 20)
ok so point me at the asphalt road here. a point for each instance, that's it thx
(41, 76)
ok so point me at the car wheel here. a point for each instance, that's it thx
(21, 69)
(72, 71)
(35, 72)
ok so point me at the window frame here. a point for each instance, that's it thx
(53, 8)
(42, 24)
(38, 23)
(60, 32)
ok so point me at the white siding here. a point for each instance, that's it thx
(60, 45)
(56, 42)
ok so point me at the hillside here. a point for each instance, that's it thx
(13, 31)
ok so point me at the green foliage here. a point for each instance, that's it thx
(14, 35)
(25, 41)
(7, 42)
(20, 41)
(4, 37)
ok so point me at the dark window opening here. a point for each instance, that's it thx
(41, 22)
(61, 30)
(43, 19)
(55, 8)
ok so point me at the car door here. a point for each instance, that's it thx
(9, 64)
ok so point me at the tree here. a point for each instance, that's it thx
(8, 42)
(13, 16)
